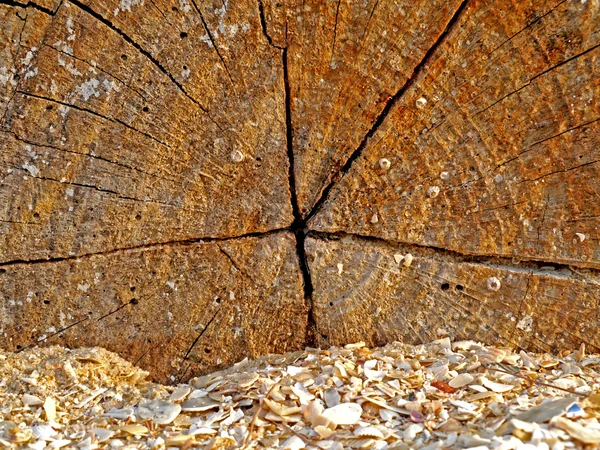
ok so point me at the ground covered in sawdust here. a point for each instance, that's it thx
(440, 395)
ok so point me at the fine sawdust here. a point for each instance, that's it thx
(434, 396)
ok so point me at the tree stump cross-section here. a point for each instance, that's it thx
(190, 183)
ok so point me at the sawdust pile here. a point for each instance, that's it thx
(439, 395)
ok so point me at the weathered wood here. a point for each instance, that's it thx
(182, 150)
(113, 121)
(362, 293)
(346, 61)
(508, 136)
(166, 307)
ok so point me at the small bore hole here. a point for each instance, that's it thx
(218, 300)
(330, 303)
(134, 301)
(459, 287)
(138, 217)
(145, 109)
(49, 108)
(183, 35)
(174, 9)
(46, 302)
(124, 57)
(132, 288)
(445, 286)
(207, 350)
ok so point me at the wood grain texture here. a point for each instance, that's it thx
(509, 135)
(173, 309)
(124, 133)
(346, 61)
(180, 180)
(362, 293)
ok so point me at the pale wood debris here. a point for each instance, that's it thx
(433, 396)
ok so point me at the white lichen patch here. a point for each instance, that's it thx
(581, 236)
(26, 61)
(88, 89)
(68, 67)
(30, 167)
(83, 287)
(94, 88)
(184, 6)
(525, 323)
(125, 5)
(6, 76)
(206, 39)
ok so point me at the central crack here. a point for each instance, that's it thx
(298, 226)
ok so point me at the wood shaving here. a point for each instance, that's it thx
(433, 396)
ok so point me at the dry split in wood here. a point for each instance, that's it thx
(162, 163)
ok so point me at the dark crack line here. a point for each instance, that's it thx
(560, 171)
(185, 358)
(519, 312)
(263, 24)
(535, 77)
(108, 314)
(139, 48)
(28, 5)
(496, 261)
(142, 247)
(529, 25)
(94, 113)
(99, 189)
(212, 40)
(299, 225)
(235, 265)
(89, 155)
(143, 97)
(51, 336)
(336, 177)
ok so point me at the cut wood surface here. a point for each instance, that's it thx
(158, 156)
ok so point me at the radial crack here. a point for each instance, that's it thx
(337, 176)
(212, 40)
(141, 247)
(28, 5)
(139, 48)
(97, 114)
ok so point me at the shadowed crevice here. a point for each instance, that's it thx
(141, 247)
(139, 48)
(534, 266)
(28, 5)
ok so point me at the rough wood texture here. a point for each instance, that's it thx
(362, 293)
(166, 307)
(465, 132)
(508, 136)
(113, 121)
